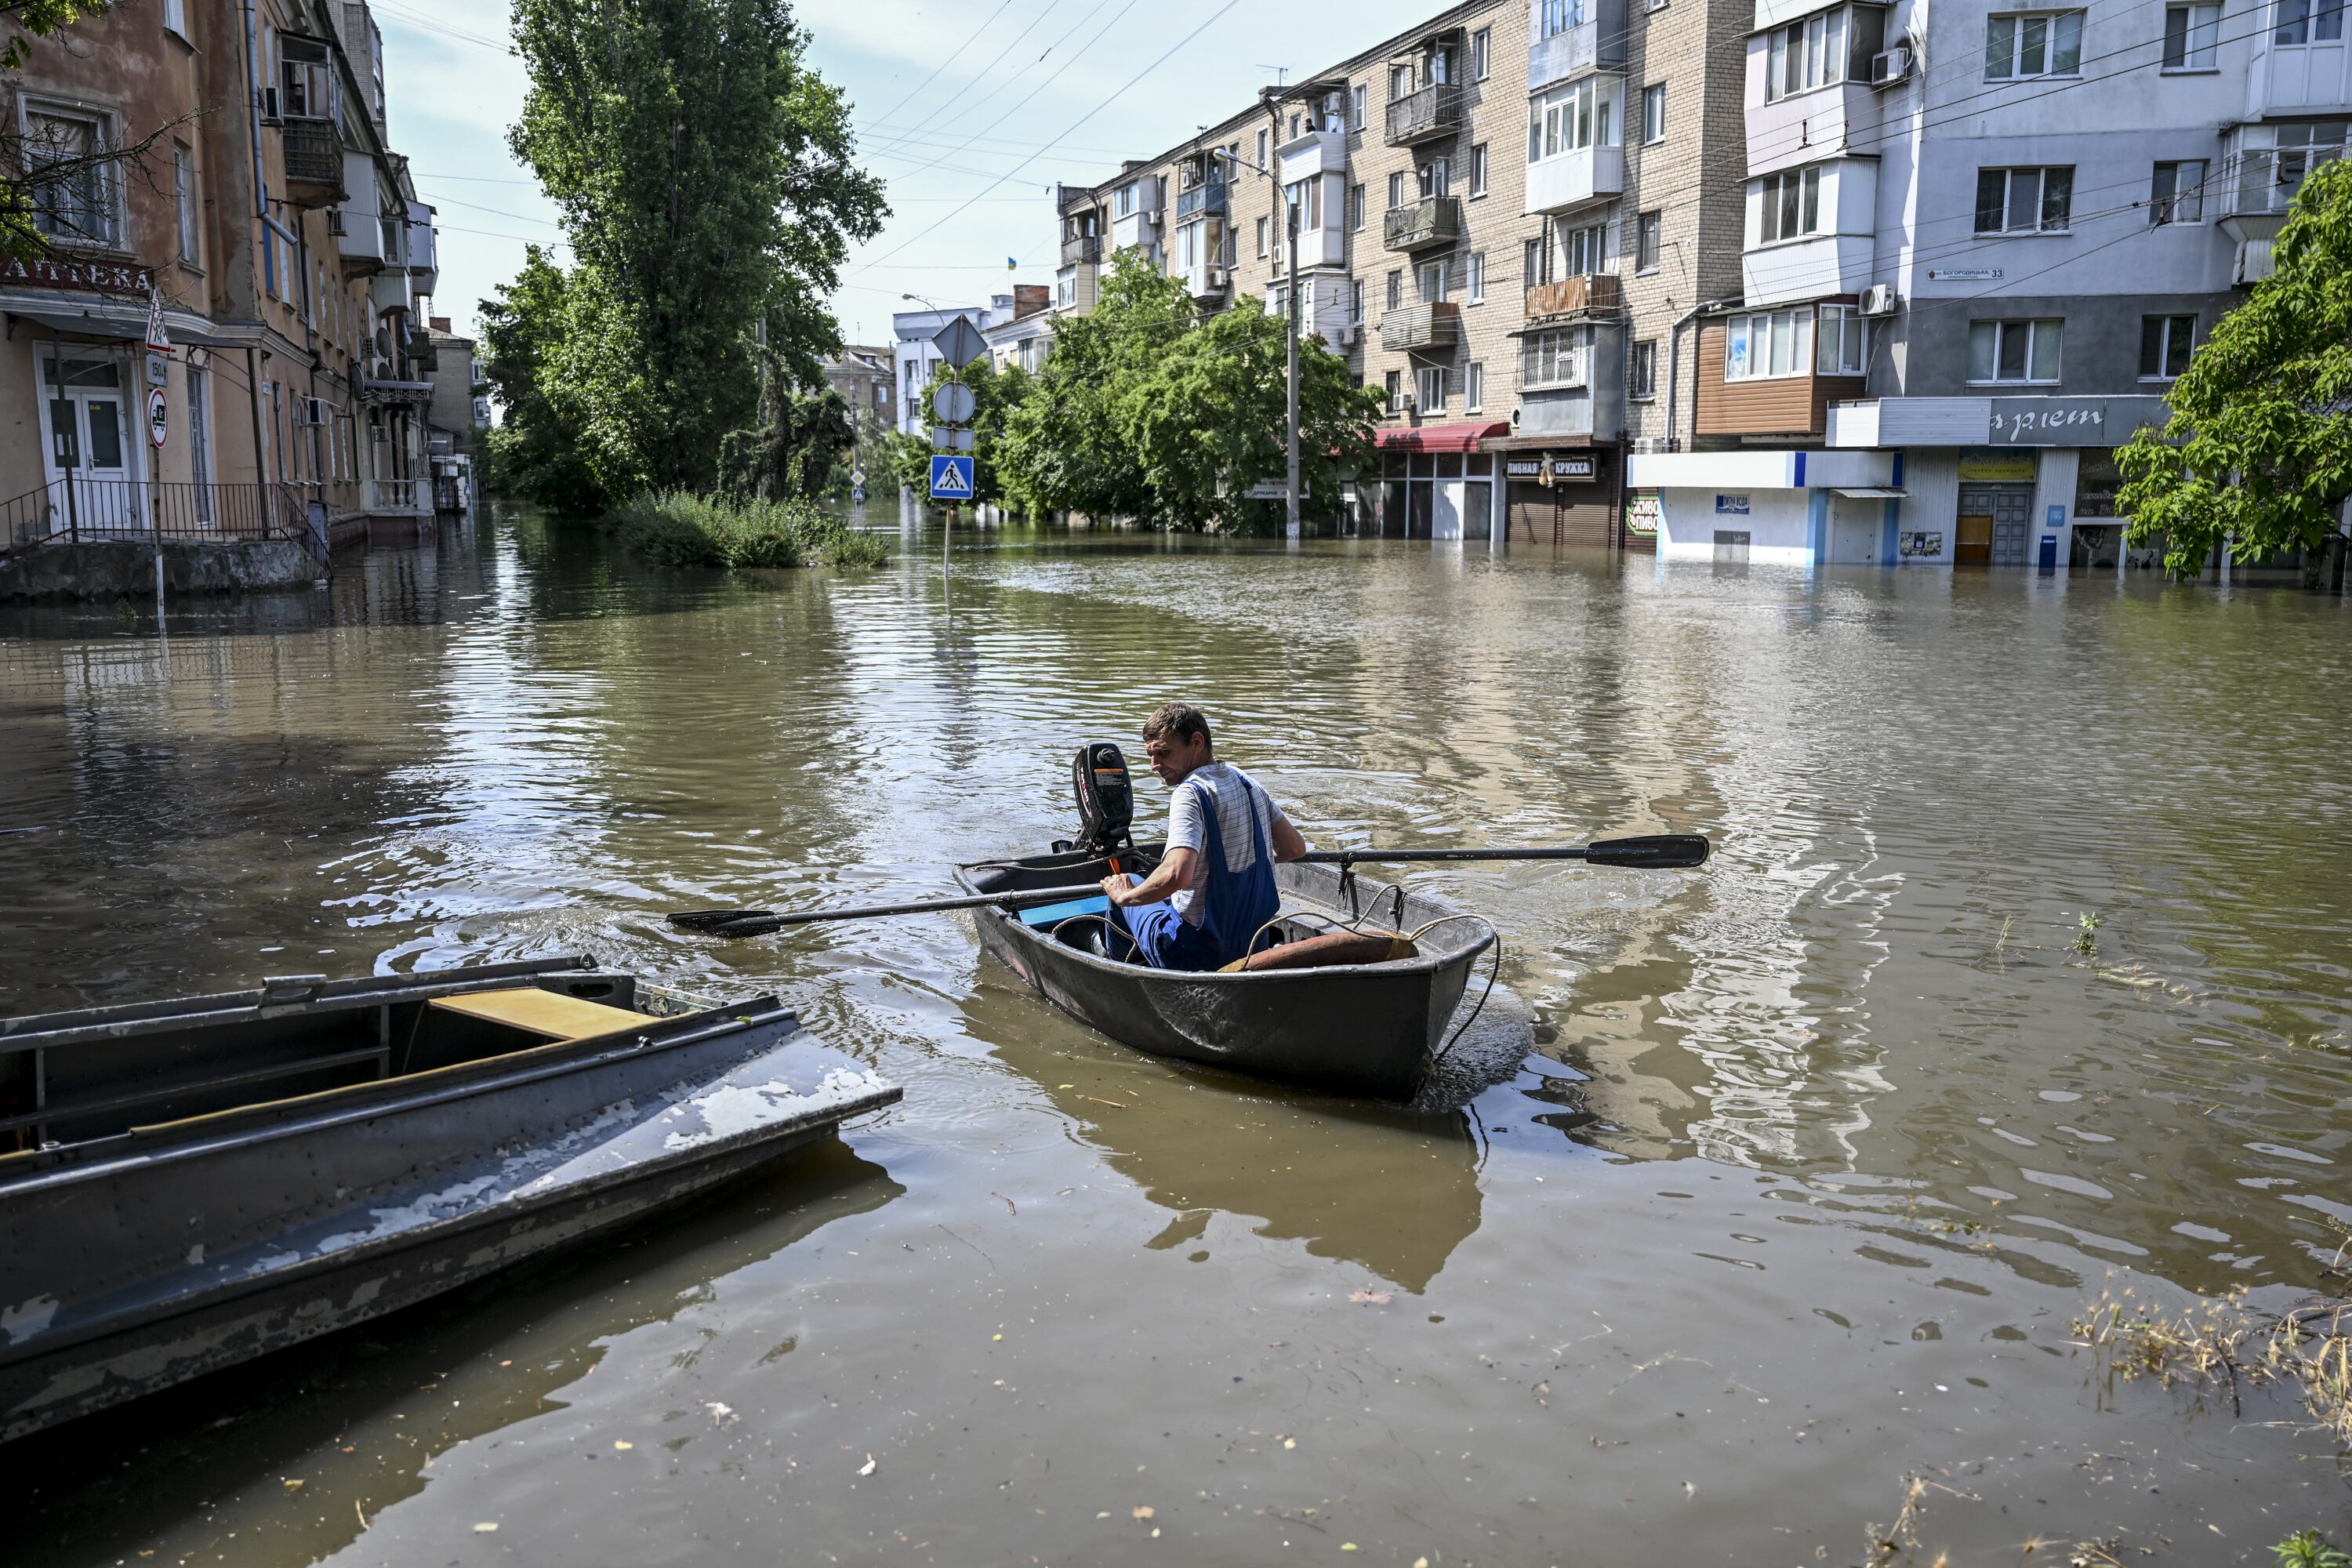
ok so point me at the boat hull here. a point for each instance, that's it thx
(1372, 1030)
(178, 1250)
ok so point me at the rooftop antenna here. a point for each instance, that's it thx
(1280, 72)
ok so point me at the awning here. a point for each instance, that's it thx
(1439, 437)
(123, 323)
(1870, 492)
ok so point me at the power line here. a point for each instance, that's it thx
(1049, 81)
(1010, 44)
(952, 55)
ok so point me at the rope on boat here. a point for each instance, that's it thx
(1493, 972)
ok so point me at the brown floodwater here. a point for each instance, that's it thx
(1757, 1191)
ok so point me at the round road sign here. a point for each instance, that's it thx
(159, 424)
(952, 401)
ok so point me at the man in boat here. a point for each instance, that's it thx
(1213, 890)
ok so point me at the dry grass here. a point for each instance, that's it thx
(2309, 1349)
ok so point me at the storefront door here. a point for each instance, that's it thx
(94, 484)
(1993, 523)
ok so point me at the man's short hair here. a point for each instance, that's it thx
(1176, 720)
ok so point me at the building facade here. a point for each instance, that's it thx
(266, 213)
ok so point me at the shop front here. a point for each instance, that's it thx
(1437, 483)
(1799, 509)
(1561, 497)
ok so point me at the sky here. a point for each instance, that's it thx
(969, 112)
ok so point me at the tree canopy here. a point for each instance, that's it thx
(705, 182)
(2257, 454)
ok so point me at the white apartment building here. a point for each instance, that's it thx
(917, 358)
(1981, 242)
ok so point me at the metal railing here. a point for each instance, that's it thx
(1202, 201)
(1433, 220)
(1081, 248)
(1434, 111)
(78, 510)
(314, 158)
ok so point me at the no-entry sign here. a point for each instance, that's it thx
(159, 423)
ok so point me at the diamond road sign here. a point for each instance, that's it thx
(950, 479)
(960, 342)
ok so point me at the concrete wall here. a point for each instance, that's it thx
(127, 570)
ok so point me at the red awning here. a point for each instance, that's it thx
(1439, 438)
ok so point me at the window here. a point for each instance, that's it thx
(2014, 351)
(1429, 388)
(1278, 299)
(1306, 199)
(1559, 15)
(1570, 119)
(1261, 148)
(1585, 250)
(1396, 391)
(2163, 344)
(2023, 200)
(1804, 55)
(1356, 207)
(1790, 205)
(1359, 108)
(73, 195)
(1478, 170)
(1648, 239)
(1293, 128)
(183, 197)
(2048, 44)
(1434, 178)
(1844, 341)
(1535, 264)
(2308, 22)
(1474, 387)
(1441, 66)
(1123, 204)
(175, 17)
(1476, 291)
(1396, 191)
(1356, 302)
(1396, 290)
(1261, 237)
(1653, 114)
(1552, 359)
(1431, 278)
(1770, 343)
(2178, 193)
(2190, 33)
(305, 75)
(1399, 82)
(1641, 378)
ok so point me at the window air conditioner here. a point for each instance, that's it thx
(1217, 276)
(1514, 418)
(1878, 299)
(1890, 65)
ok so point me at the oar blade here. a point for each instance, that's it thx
(1652, 852)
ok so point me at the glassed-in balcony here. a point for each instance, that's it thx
(1594, 41)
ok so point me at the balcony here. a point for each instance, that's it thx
(1207, 279)
(395, 394)
(1568, 180)
(1421, 329)
(1807, 127)
(392, 497)
(1313, 152)
(2256, 188)
(1434, 111)
(1601, 295)
(1202, 201)
(1081, 248)
(314, 163)
(1598, 43)
(1431, 221)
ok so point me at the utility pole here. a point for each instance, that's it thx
(1272, 98)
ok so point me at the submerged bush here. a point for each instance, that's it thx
(678, 528)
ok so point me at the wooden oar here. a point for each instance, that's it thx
(1662, 851)
(759, 922)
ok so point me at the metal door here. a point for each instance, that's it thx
(2012, 512)
(91, 472)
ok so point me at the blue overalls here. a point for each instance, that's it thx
(1233, 904)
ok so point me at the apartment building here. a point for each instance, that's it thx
(916, 359)
(291, 257)
(1980, 241)
(865, 377)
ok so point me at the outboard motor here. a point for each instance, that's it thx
(1106, 798)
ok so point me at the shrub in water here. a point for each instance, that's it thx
(678, 528)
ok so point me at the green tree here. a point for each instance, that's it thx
(996, 396)
(704, 177)
(2257, 455)
(792, 450)
(531, 452)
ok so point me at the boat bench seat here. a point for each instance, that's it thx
(548, 1012)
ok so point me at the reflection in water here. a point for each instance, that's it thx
(211, 1456)
(1393, 1190)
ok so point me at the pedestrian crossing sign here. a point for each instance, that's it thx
(950, 477)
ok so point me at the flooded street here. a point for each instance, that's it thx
(2022, 973)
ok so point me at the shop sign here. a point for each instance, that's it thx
(85, 277)
(1642, 513)
(1545, 470)
(1987, 464)
(2050, 421)
(1523, 468)
(1730, 506)
(1571, 467)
